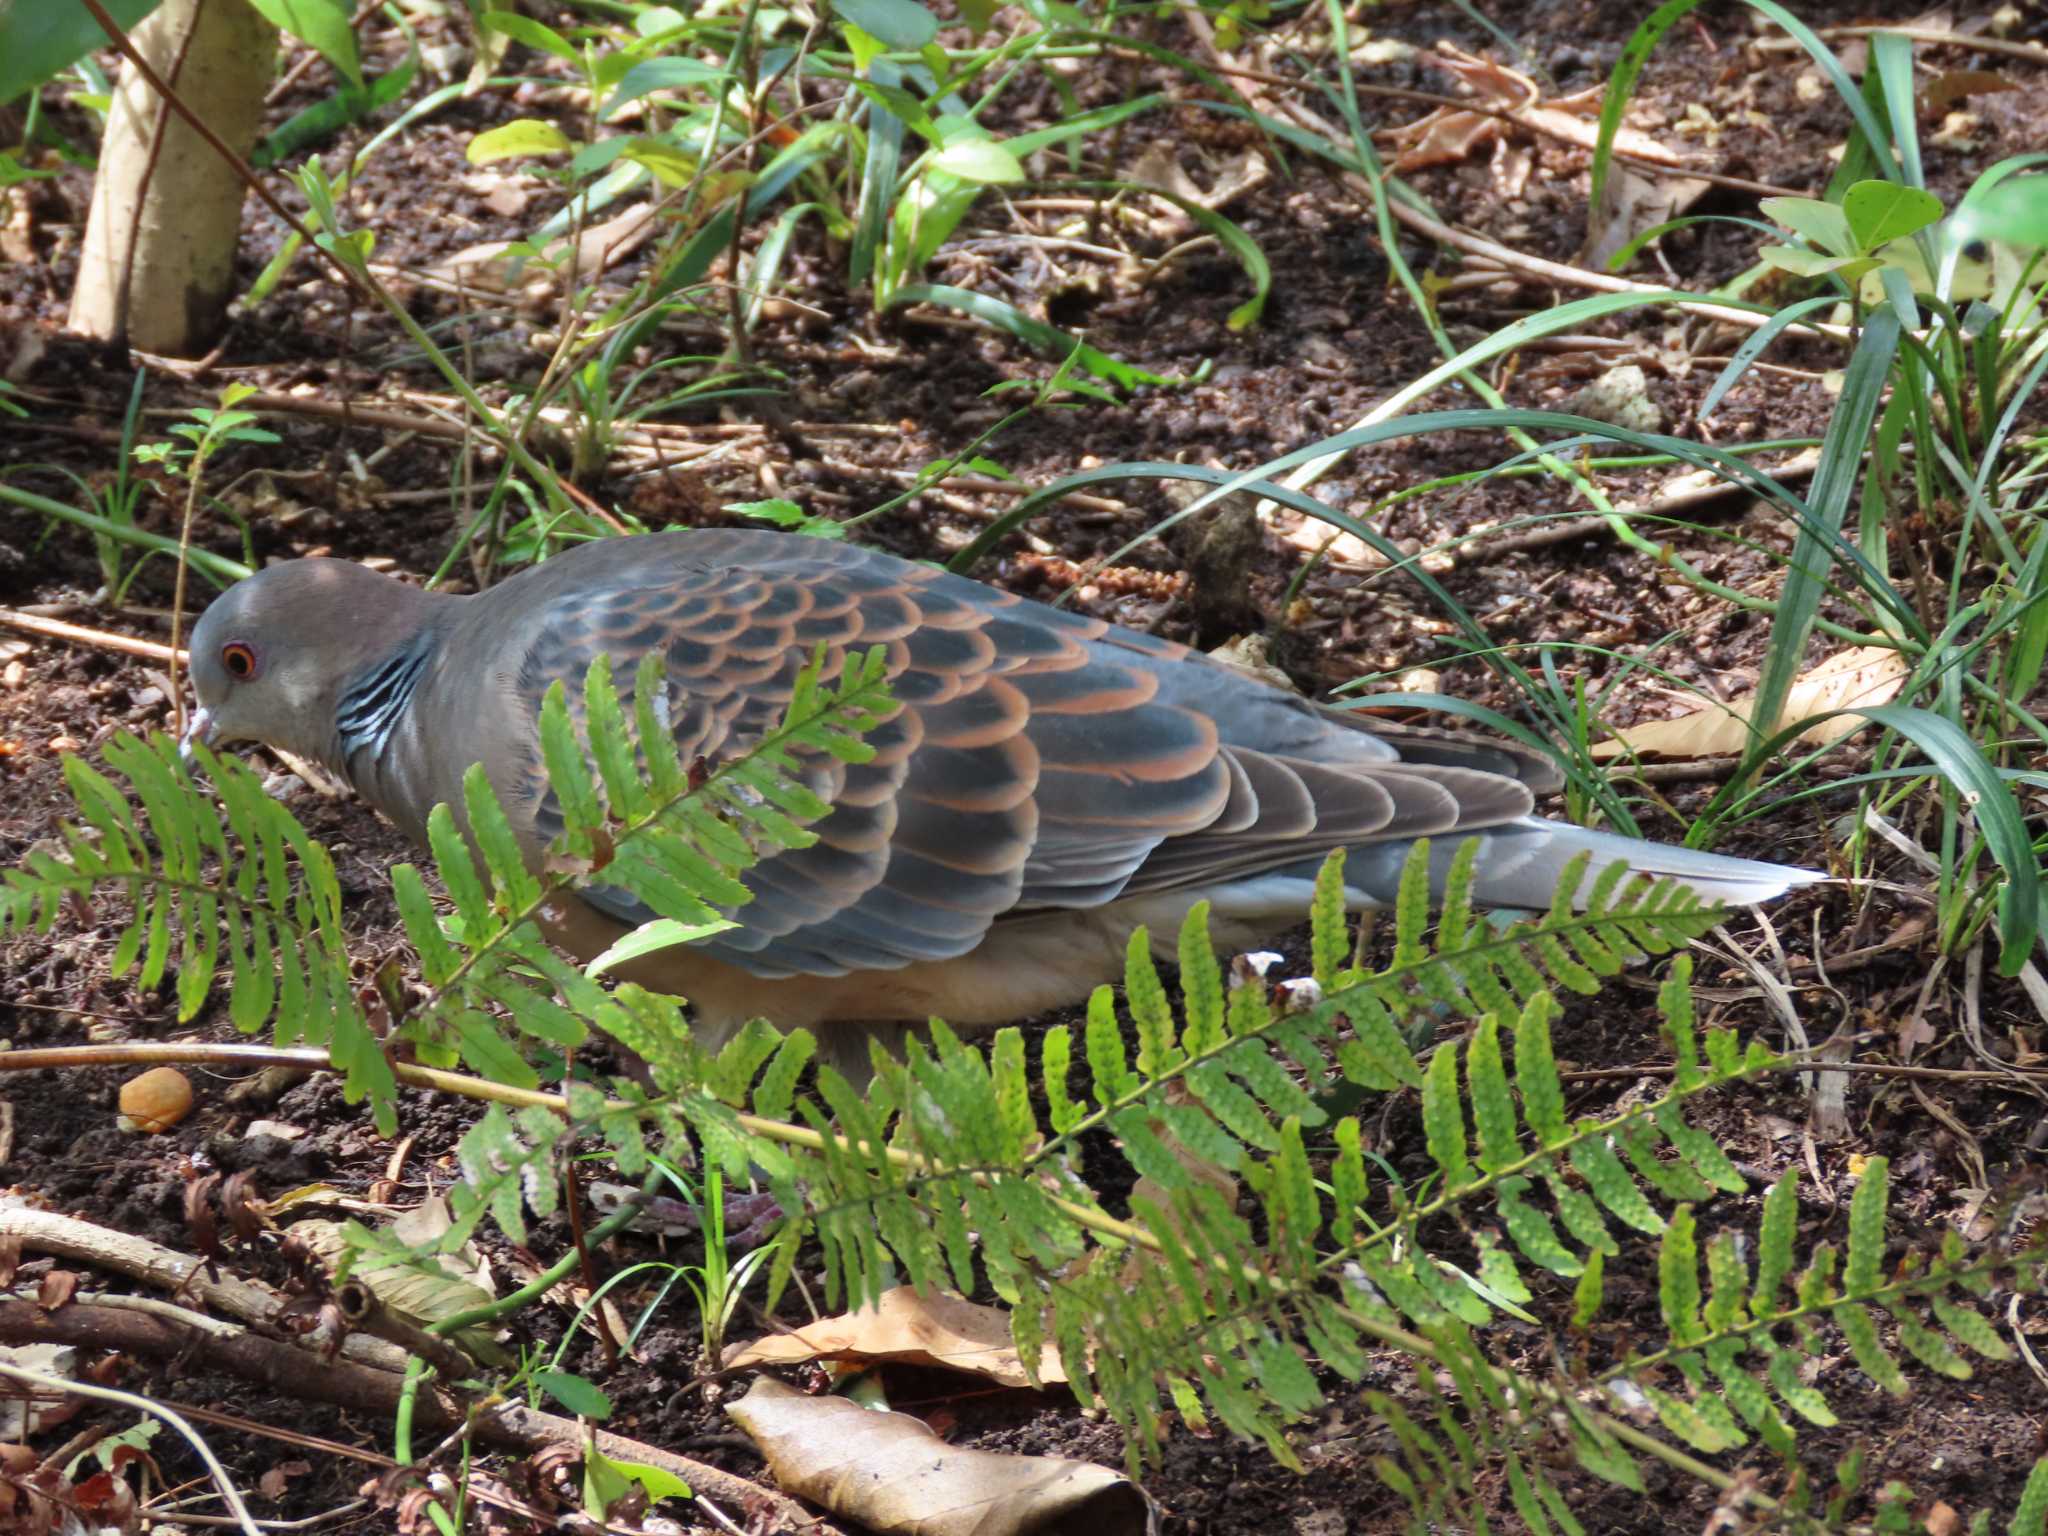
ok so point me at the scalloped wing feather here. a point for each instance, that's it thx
(1035, 759)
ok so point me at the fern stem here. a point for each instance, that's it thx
(1378, 987)
(1928, 1283)
(464, 1085)
(1553, 1153)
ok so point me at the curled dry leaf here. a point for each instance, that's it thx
(1866, 676)
(501, 265)
(1952, 86)
(155, 1101)
(889, 1472)
(903, 1326)
(1450, 134)
(1630, 204)
(420, 1294)
(415, 1295)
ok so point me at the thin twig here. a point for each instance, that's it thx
(2033, 53)
(143, 1405)
(98, 639)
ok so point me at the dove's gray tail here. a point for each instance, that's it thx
(1521, 862)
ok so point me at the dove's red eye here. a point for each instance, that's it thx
(239, 659)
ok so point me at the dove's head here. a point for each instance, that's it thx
(273, 656)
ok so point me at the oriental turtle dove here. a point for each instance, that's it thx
(1045, 782)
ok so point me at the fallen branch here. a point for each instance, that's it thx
(108, 1323)
(165, 1269)
(191, 1337)
(369, 1375)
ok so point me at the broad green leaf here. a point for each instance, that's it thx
(40, 39)
(979, 160)
(577, 1394)
(670, 74)
(1880, 212)
(671, 166)
(654, 20)
(1825, 224)
(659, 1482)
(866, 49)
(900, 25)
(661, 933)
(1801, 262)
(322, 25)
(524, 29)
(526, 136)
(2014, 211)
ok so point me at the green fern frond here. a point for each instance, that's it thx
(238, 887)
(948, 1144)
(1728, 1346)
(1193, 1301)
(948, 1172)
(635, 818)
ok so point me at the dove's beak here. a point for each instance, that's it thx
(200, 731)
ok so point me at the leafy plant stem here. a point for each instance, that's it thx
(504, 1306)
(216, 568)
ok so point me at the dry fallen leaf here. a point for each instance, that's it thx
(1865, 676)
(1952, 86)
(457, 1282)
(903, 1326)
(1450, 134)
(1631, 203)
(500, 265)
(1253, 656)
(889, 1472)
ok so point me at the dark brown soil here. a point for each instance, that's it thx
(1337, 336)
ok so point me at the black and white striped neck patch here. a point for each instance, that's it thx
(373, 705)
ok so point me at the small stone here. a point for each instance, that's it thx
(155, 1101)
(1619, 397)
